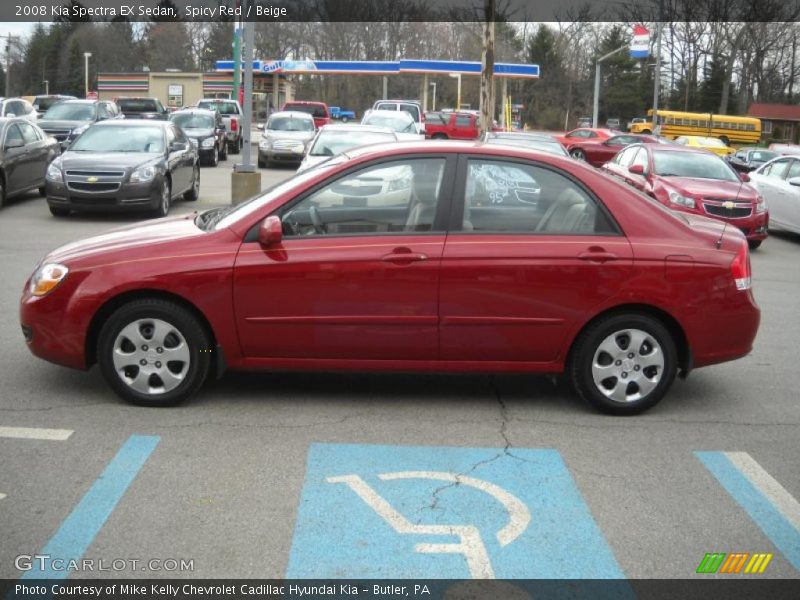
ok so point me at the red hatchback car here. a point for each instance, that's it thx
(420, 256)
(694, 181)
(598, 152)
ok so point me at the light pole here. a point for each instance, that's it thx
(433, 104)
(596, 103)
(86, 56)
(46, 87)
(458, 90)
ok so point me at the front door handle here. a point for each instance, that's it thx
(404, 255)
(598, 255)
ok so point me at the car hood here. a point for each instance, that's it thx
(118, 243)
(198, 133)
(710, 188)
(98, 161)
(53, 124)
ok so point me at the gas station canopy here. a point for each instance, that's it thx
(373, 67)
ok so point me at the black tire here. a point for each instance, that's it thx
(194, 192)
(439, 136)
(59, 212)
(162, 210)
(345, 119)
(578, 154)
(223, 151)
(42, 191)
(233, 147)
(646, 131)
(753, 244)
(2, 191)
(263, 164)
(180, 320)
(588, 345)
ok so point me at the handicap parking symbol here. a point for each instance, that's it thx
(369, 511)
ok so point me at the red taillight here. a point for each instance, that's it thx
(740, 268)
(234, 125)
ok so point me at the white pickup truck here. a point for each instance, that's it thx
(231, 113)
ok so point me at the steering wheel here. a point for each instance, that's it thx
(316, 221)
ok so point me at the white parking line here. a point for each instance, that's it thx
(2, 496)
(36, 433)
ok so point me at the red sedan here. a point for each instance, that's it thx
(597, 151)
(432, 256)
(582, 134)
(694, 181)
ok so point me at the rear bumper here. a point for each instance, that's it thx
(725, 331)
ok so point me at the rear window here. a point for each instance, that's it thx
(315, 110)
(138, 105)
(224, 108)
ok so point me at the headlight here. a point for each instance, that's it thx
(676, 198)
(400, 184)
(761, 205)
(208, 142)
(46, 278)
(265, 143)
(54, 173)
(143, 174)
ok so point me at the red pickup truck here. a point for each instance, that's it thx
(318, 110)
(453, 125)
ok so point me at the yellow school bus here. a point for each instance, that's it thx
(728, 128)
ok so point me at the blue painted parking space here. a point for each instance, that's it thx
(407, 512)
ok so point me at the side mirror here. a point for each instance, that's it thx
(636, 169)
(270, 232)
(745, 177)
(15, 143)
(794, 181)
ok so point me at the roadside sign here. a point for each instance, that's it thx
(91, 95)
(413, 512)
(640, 44)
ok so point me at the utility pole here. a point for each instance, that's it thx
(86, 56)
(596, 103)
(657, 74)
(9, 40)
(487, 69)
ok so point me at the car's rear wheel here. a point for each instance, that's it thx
(42, 191)
(233, 147)
(214, 157)
(623, 364)
(194, 192)
(577, 154)
(59, 212)
(754, 244)
(438, 136)
(154, 352)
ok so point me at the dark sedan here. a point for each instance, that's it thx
(26, 152)
(124, 165)
(68, 119)
(206, 130)
(749, 158)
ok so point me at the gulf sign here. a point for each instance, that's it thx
(640, 44)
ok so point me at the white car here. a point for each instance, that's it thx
(778, 182)
(286, 137)
(17, 107)
(334, 139)
(402, 123)
(382, 186)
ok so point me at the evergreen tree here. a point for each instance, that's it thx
(74, 83)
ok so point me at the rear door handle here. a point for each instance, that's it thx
(600, 256)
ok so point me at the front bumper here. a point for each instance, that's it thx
(122, 197)
(280, 155)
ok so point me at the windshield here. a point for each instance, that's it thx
(64, 111)
(192, 121)
(224, 108)
(220, 218)
(763, 155)
(333, 142)
(137, 105)
(400, 122)
(120, 138)
(312, 109)
(290, 124)
(692, 164)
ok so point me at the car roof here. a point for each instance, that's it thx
(387, 113)
(133, 122)
(522, 135)
(195, 109)
(304, 102)
(292, 114)
(671, 148)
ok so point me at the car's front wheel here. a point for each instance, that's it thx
(154, 352)
(577, 154)
(623, 364)
(164, 200)
(193, 193)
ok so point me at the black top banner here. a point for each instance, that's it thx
(400, 10)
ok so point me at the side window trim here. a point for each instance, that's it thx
(459, 197)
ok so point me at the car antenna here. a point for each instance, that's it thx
(729, 208)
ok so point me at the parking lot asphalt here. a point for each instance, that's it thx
(264, 475)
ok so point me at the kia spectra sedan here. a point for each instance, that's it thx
(594, 280)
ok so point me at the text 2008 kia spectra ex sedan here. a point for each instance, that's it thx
(421, 256)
